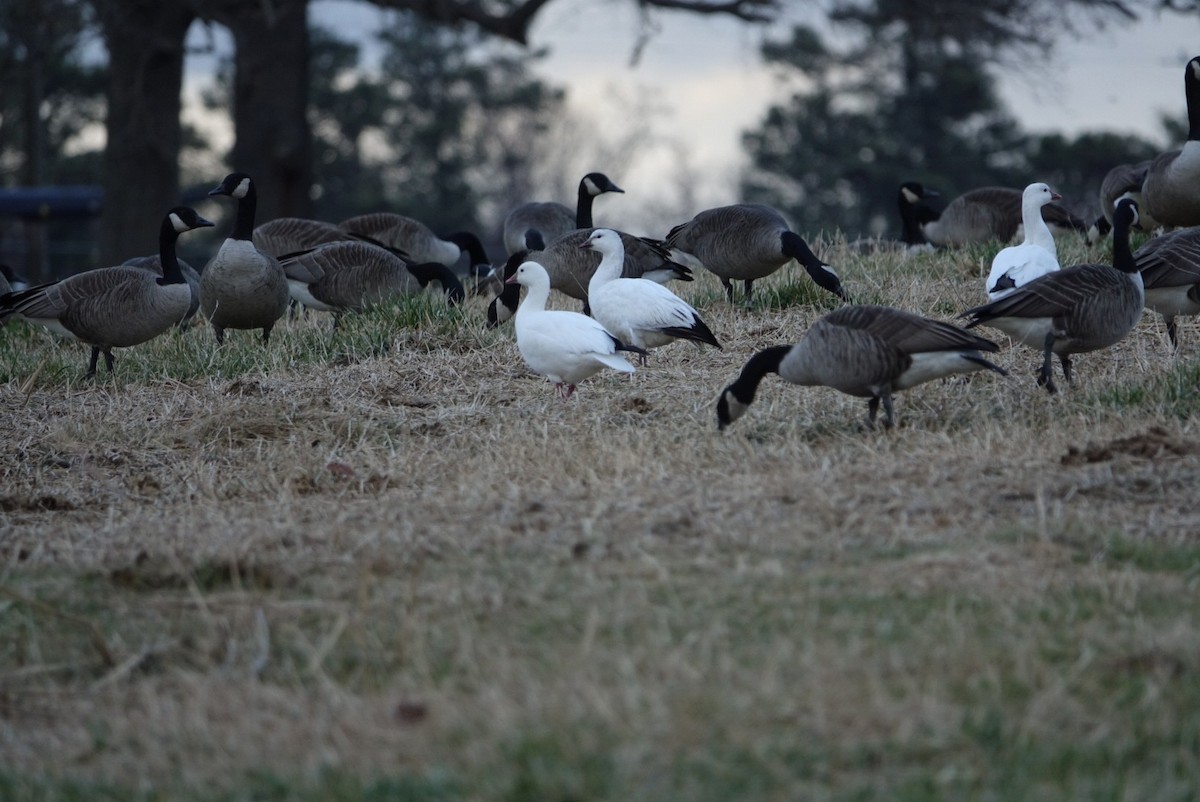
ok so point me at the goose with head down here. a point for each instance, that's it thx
(870, 352)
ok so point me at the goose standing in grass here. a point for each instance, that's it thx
(242, 287)
(638, 311)
(565, 347)
(746, 242)
(1017, 265)
(1082, 308)
(865, 351)
(1170, 268)
(571, 268)
(1171, 191)
(550, 219)
(350, 276)
(989, 214)
(114, 307)
(913, 204)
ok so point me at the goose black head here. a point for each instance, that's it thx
(597, 184)
(185, 218)
(235, 185)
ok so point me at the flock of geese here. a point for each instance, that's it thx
(865, 351)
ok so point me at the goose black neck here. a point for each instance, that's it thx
(910, 225)
(470, 243)
(1122, 254)
(583, 207)
(167, 236)
(436, 271)
(1191, 89)
(243, 226)
(764, 362)
(793, 245)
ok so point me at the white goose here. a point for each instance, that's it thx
(1018, 265)
(565, 347)
(638, 311)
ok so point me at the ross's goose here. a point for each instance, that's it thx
(1018, 265)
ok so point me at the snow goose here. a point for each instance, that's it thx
(565, 347)
(1171, 191)
(241, 287)
(746, 242)
(638, 311)
(114, 307)
(990, 214)
(1082, 308)
(551, 220)
(1018, 265)
(865, 351)
(571, 268)
(1170, 268)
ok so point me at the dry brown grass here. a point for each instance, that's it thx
(330, 569)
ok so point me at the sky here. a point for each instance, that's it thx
(712, 85)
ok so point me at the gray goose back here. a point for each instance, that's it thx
(410, 238)
(284, 236)
(352, 276)
(1170, 268)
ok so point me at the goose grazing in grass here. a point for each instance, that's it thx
(865, 351)
(989, 214)
(242, 287)
(1125, 181)
(746, 242)
(1170, 268)
(638, 311)
(1082, 308)
(551, 220)
(350, 276)
(571, 268)
(284, 236)
(1171, 191)
(413, 240)
(565, 347)
(114, 307)
(1017, 265)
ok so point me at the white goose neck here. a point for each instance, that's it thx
(611, 264)
(1036, 230)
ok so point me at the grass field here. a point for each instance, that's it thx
(391, 564)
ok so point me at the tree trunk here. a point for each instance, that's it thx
(145, 41)
(270, 103)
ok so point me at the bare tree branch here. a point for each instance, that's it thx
(514, 23)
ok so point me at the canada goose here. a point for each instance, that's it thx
(284, 236)
(409, 238)
(551, 220)
(1018, 265)
(1082, 308)
(242, 287)
(190, 276)
(1170, 268)
(11, 279)
(1125, 181)
(114, 307)
(987, 214)
(912, 202)
(747, 242)
(565, 347)
(638, 311)
(350, 275)
(570, 268)
(865, 351)
(1171, 191)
